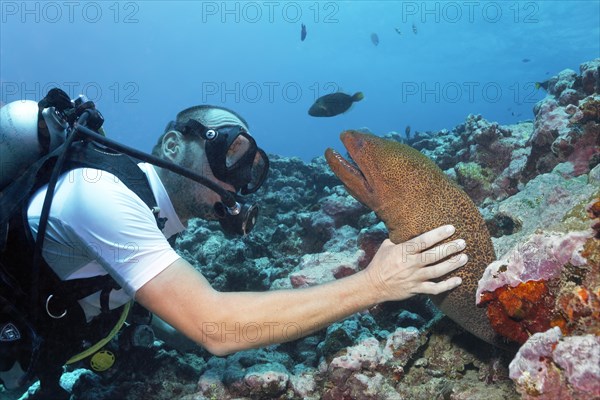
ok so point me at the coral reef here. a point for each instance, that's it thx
(567, 124)
(549, 366)
(485, 158)
(493, 161)
(546, 287)
(537, 184)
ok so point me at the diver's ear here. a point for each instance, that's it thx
(172, 145)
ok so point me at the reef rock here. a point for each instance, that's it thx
(547, 269)
(520, 290)
(549, 366)
(590, 76)
(554, 202)
(486, 159)
(566, 123)
(548, 285)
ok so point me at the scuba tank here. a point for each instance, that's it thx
(21, 141)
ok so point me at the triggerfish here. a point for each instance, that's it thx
(333, 104)
(411, 195)
(543, 85)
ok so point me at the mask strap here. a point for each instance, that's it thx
(193, 127)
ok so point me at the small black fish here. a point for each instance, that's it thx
(333, 104)
(374, 39)
(303, 33)
(543, 85)
(398, 31)
(407, 131)
(525, 60)
(414, 29)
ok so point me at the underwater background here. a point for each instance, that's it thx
(435, 61)
(503, 96)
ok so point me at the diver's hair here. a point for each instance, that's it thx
(198, 113)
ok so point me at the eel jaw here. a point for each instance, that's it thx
(352, 177)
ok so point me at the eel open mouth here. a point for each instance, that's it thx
(349, 173)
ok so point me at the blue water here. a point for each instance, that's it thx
(142, 62)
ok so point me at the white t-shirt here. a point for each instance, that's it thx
(97, 225)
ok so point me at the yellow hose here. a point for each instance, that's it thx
(102, 342)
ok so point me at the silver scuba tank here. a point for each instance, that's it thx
(19, 144)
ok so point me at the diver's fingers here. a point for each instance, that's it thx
(436, 254)
(441, 269)
(428, 239)
(439, 287)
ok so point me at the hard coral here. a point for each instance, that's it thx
(590, 110)
(475, 179)
(550, 366)
(540, 257)
(590, 76)
(369, 240)
(550, 280)
(593, 211)
(579, 311)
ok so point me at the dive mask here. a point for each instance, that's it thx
(232, 154)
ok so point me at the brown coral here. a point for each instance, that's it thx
(579, 311)
(593, 211)
(590, 110)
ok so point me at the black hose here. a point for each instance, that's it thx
(43, 225)
(227, 198)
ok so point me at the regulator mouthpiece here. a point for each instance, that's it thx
(237, 220)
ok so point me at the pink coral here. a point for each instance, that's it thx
(324, 267)
(366, 354)
(541, 257)
(521, 291)
(266, 383)
(532, 371)
(579, 357)
(549, 367)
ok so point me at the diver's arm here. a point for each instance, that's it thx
(225, 322)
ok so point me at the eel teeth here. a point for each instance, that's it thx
(351, 166)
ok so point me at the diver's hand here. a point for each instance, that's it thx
(399, 271)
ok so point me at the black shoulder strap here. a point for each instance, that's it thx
(92, 155)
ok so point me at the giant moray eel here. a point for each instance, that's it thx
(411, 195)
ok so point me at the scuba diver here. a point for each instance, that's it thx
(99, 226)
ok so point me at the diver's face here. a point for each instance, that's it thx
(190, 199)
(203, 199)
